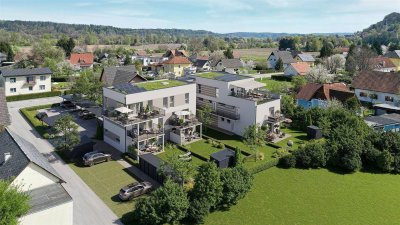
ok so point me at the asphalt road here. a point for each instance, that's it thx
(88, 208)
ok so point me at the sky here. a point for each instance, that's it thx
(222, 16)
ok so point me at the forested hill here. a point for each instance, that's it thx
(383, 32)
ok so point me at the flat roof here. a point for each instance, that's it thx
(385, 119)
(129, 88)
(223, 154)
(47, 197)
(226, 77)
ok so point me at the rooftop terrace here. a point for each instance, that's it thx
(227, 77)
(128, 88)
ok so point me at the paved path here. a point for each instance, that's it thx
(88, 208)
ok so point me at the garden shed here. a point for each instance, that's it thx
(150, 165)
(314, 132)
(223, 158)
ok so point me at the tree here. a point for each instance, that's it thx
(88, 86)
(138, 65)
(311, 155)
(184, 169)
(394, 46)
(385, 161)
(14, 203)
(299, 82)
(316, 45)
(68, 44)
(238, 157)
(208, 184)
(68, 130)
(166, 205)
(6, 48)
(279, 65)
(254, 137)
(327, 49)
(319, 74)
(376, 47)
(288, 43)
(352, 104)
(359, 58)
(236, 183)
(228, 53)
(199, 208)
(195, 45)
(334, 63)
(288, 105)
(128, 60)
(205, 116)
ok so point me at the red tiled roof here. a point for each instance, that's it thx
(322, 91)
(301, 67)
(81, 58)
(177, 60)
(382, 62)
(342, 49)
(378, 81)
(141, 53)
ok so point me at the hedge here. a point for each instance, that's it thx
(273, 145)
(32, 96)
(59, 79)
(30, 113)
(281, 78)
(264, 166)
(226, 145)
(193, 153)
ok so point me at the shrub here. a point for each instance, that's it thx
(221, 145)
(279, 153)
(385, 161)
(288, 161)
(199, 208)
(236, 183)
(313, 155)
(32, 96)
(264, 166)
(46, 136)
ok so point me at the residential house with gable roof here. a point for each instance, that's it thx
(228, 65)
(305, 57)
(285, 56)
(298, 68)
(176, 65)
(383, 64)
(26, 81)
(394, 56)
(175, 52)
(120, 74)
(81, 60)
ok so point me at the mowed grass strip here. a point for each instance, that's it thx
(312, 197)
(106, 179)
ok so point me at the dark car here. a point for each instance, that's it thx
(91, 158)
(86, 114)
(134, 190)
(67, 104)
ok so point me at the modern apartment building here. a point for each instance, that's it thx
(236, 101)
(26, 81)
(140, 117)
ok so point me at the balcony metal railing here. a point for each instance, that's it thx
(131, 118)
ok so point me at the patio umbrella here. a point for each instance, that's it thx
(123, 110)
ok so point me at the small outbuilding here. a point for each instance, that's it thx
(151, 164)
(223, 158)
(314, 132)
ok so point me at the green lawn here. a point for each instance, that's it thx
(62, 85)
(172, 150)
(155, 85)
(275, 85)
(209, 75)
(316, 197)
(298, 138)
(106, 179)
(202, 148)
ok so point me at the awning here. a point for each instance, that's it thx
(123, 110)
(251, 84)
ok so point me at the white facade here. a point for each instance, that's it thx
(60, 215)
(166, 100)
(220, 67)
(240, 112)
(20, 85)
(290, 71)
(368, 96)
(33, 177)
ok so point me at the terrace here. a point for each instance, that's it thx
(187, 128)
(125, 116)
(253, 91)
(156, 85)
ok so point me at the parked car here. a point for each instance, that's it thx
(86, 114)
(91, 158)
(67, 104)
(133, 190)
(41, 115)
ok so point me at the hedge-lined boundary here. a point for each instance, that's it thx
(30, 113)
(32, 96)
(264, 166)
(226, 145)
(193, 153)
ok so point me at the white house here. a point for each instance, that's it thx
(202, 65)
(378, 87)
(274, 57)
(229, 65)
(236, 101)
(383, 64)
(26, 81)
(21, 162)
(139, 117)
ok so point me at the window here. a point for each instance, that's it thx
(13, 80)
(165, 102)
(171, 101)
(363, 94)
(42, 87)
(30, 79)
(187, 98)
(389, 99)
(227, 120)
(42, 78)
(222, 119)
(199, 88)
(373, 96)
(13, 90)
(30, 88)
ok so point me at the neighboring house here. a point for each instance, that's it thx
(229, 65)
(176, 65)
(318, 95)
(175, 52)
(385, 122)
(304, 57)
(202, 65)
(383, 64)
(4, 115)
(120, 74)
(3, 58)
(342, 50)
(22, 163)
(196, 56)
(394, 56)
(236, 101)
(81, 60)
(378, 87)
(26, 81)
(285, 56)
(139, 118)
(299, 68)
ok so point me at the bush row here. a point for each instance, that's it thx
(281, 78)
(264, 166)
(183, 148)
(226, 145)
(32, 96)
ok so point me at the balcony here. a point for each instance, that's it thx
(145, 133)
(260, 96)
(129, 117)
(227, 114)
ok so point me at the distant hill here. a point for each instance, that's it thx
(37, 28)
(383, 32)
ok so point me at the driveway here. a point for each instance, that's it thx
(88, 208)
